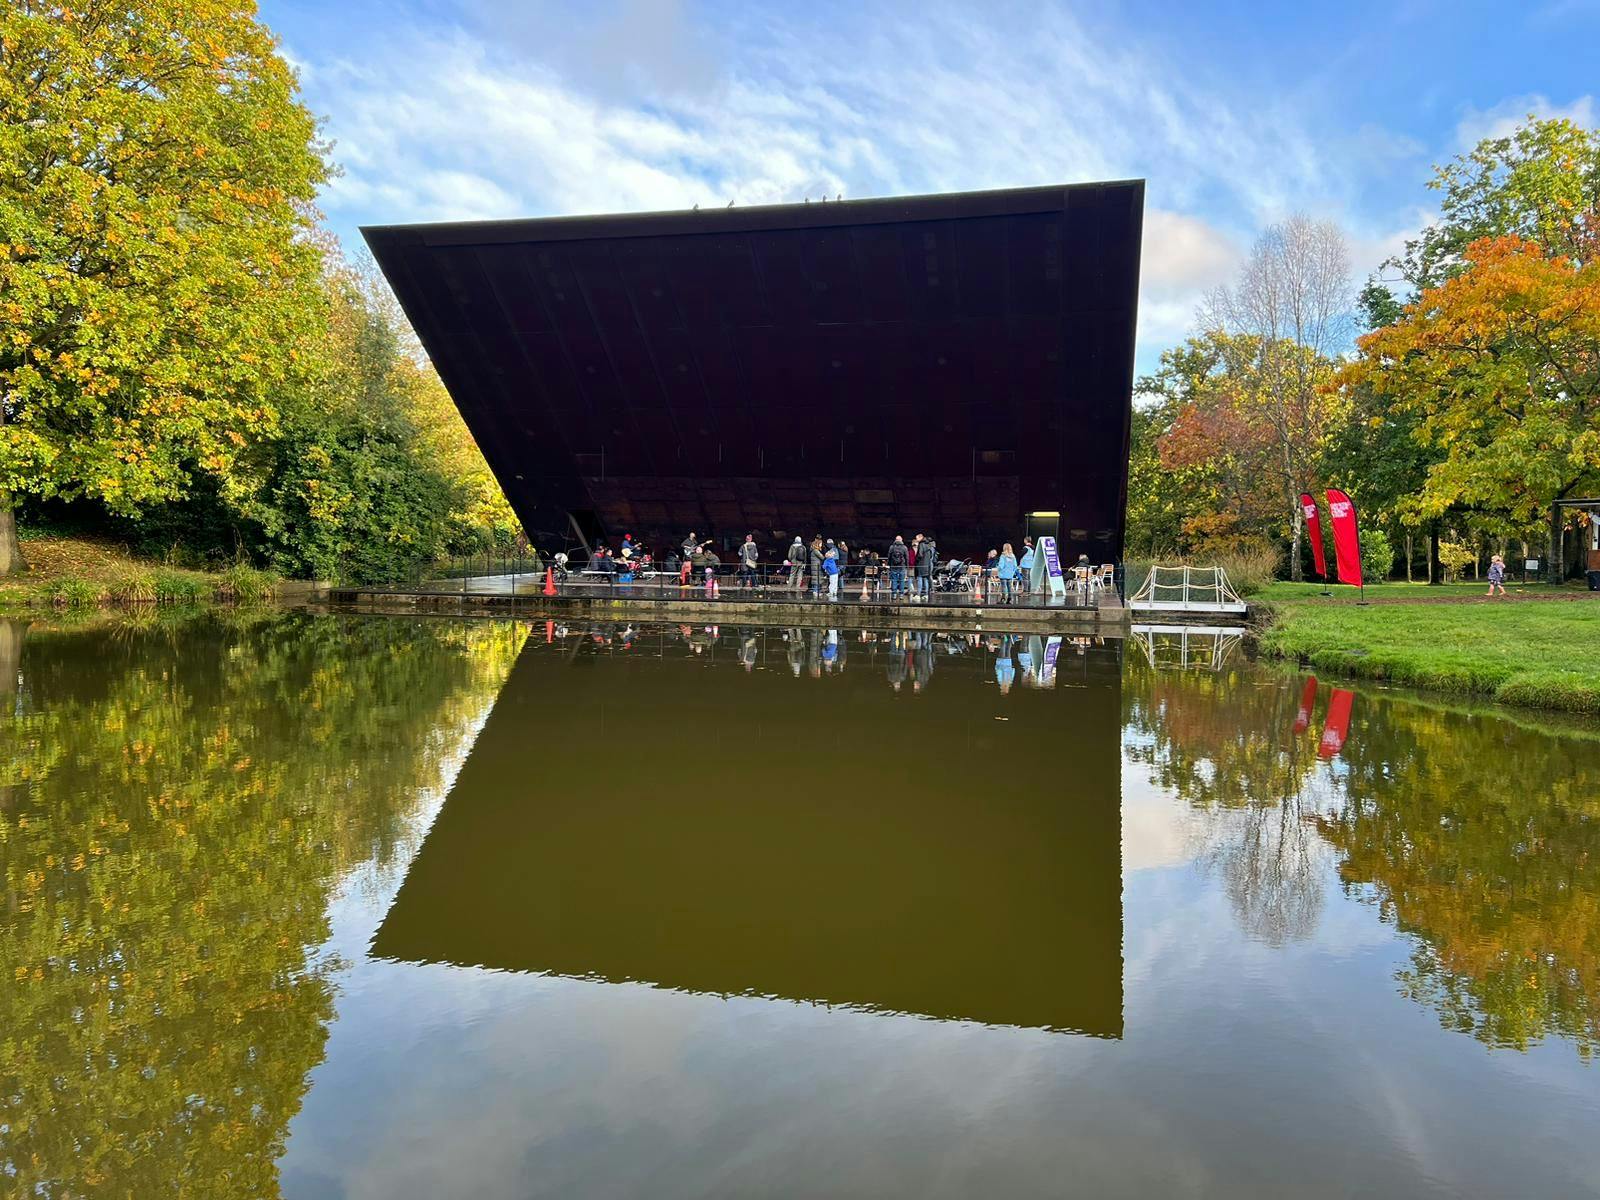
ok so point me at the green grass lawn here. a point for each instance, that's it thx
(1538, 653)
(1384, 593)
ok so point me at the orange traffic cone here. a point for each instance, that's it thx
(549, 581)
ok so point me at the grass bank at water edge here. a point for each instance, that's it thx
(1533, 653)
(79, 573)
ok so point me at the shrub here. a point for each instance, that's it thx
(1377, 556)
(1250, 567)
(1454, 557)
(132, 587)
(241, 584)
(174, 587)
(72, 592)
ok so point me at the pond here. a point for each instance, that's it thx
(322, 905)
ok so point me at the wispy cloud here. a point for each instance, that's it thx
(639, 108)
(1501, 119)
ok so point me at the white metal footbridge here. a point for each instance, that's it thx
(1186, 590)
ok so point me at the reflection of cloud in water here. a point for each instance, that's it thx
(1156, 830)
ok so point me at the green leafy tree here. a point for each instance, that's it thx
(1540, 183)
(1215, 418)
(156, 282)
(351, 489)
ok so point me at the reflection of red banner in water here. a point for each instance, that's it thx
(1308, 701)
(1337, 727)
(1346, 537)
(1314, 533)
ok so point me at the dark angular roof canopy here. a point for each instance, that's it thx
(939, 363)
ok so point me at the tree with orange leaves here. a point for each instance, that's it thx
(1501, 366)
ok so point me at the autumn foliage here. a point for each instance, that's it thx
(1500, 367)
(181, 348)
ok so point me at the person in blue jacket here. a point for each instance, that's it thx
(1007, 569)
(1026, 565)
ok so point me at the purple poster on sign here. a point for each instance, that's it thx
(1052, 560)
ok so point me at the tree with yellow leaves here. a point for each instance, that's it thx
(157, 172)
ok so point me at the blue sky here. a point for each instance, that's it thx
(1236, 113)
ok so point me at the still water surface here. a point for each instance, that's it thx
(339, 906)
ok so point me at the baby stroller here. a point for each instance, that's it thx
(952, 577)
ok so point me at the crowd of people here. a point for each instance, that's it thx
(827, 568)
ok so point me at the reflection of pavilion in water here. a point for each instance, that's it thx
(946, 851)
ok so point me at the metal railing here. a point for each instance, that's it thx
(523, 573)
(856, 584)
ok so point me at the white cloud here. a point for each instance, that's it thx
(442, 124)
(1501, 119)
(1182, 259)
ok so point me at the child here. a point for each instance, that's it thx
(1497, 575)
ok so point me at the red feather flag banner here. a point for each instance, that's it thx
(1336, 726)
(1308, 701)
(1346, 537)
(1314, 532)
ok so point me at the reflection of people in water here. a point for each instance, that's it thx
(921, 661)
(898, 655)
(818, 652)
(796, 650)
(1005, 670)
(813, 653)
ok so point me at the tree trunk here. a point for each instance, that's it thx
(1409, 558)
(1435, 571)
(1555, 568)
(1294, 551)
(12, 635)
(11, 560)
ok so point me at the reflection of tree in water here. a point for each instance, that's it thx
(1222, 742)
(1271, 863)
(182, 799)
(1477, 836)
(1482, 838)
